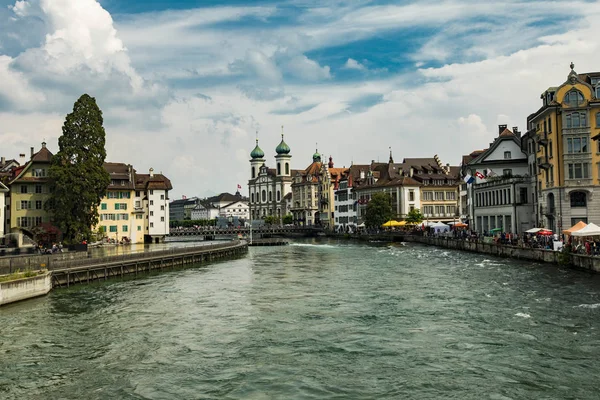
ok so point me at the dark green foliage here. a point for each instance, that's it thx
(288, 219)
(78, 177)
(379, 210)
(414, 216)
(188, 223)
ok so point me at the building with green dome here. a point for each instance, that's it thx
(270, 188)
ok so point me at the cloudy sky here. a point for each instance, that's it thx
(185, 85)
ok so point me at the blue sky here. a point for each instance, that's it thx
(185, 85)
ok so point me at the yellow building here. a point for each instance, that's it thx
(29, 190)
(564, 154)
(119, 217)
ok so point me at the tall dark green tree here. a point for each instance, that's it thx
(78, 177)
(379, 210)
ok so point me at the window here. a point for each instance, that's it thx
(151, 224)
(573, 98)
(450, 195)
(113, 228)
(38, 172)
(38, 188)
(270, 196)
(162, 219)
(411, 195)
(507, 155)
(124, 228)
(151, 213)
(507, 172)
(550, 149)
(38, 204)
(253, 173)
(264, 195)
(24, 205)
(137, 193)
(577, 145)
(428, 196)
(120, 206)
(162, 208)
(439, 195)
(139, 216)
(549, 125)
(139, 228)
(598, 92)
(523, 195)
(449, 210)
(278, 168)
(252, 195)
(162, 196)
(576, 120)
(287, 168)
(152, 192)
(278, 195)
(23, 188)
(151, 202)
(598, 119)
(578, 199)
(103, 206)
(578, 170)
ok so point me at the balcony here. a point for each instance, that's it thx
(543, 163)
(542, 139)
(578, 182)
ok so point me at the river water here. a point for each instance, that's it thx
(314, 320)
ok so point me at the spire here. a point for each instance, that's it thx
(391, 158)
(282, 148)
(257, 152)
(330, 165)
(316, 156)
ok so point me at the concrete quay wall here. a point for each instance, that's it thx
(10, 264)
(25, 288)
(72, 272)
(579, 261)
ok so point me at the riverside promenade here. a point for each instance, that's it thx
(69, 269)
(580, 261)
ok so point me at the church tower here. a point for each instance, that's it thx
(283, 158)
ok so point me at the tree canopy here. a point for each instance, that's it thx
(77, 174)
(414, 216)
(379, 210)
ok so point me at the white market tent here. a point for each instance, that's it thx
(590, 230)
(534, 230)
(440, 227)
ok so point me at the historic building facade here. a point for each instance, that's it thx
(499, 195)
(268, 187)
(565, 133)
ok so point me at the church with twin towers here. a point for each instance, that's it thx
(270, 189)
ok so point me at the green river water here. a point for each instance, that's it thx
(314, 320)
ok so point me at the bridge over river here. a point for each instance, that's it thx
(265, 231)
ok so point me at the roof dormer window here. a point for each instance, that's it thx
(573, 98)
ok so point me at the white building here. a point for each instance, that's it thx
(152, 192)
(238, 209)
(3, 218)
(499, 196)
(204, 211)
(268, 187)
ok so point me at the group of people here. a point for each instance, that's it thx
(55, 248)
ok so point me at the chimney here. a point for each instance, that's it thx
(44, 144)
(2, 160)
(151, 172)
(22, 159)
(516, 131)
(501, 128)
(31, 149)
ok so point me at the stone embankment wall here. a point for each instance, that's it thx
(523, 253)
(10, 264)
(25, 288)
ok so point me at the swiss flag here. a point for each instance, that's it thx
(239, 186)
(479, 175)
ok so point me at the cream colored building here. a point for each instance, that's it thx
(29, 190)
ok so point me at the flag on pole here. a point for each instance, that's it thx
(239, 186)
(468, 179)
(479, 175)
(489, 172)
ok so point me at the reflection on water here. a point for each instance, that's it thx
(117, 249)
(313, 320)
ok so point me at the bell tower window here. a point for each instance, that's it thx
(253, 172)
(278, 168)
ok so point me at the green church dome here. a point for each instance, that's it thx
(316, 156)
(283, 148)
(257, 152)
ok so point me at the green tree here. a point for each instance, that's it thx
(379, 210)
(78, 177)
(288, 219)
(414, 216)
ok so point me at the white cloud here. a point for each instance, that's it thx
(353, 64)
(302, 67)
